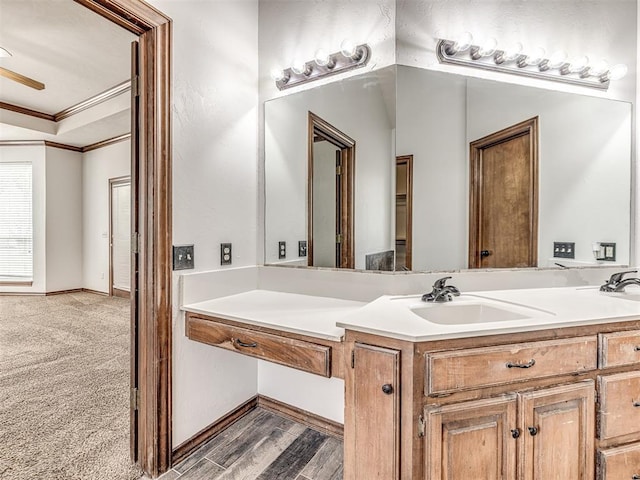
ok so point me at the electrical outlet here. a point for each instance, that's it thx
(183, 257)
(225, 254)
(302, 248)
(282, 250)
(564, 249)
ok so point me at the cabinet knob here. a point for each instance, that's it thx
(515, 433)
(636, 404)
(635, 477)
(387, 388)
(637, 348)
(533, 431)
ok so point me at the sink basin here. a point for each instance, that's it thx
(466, 313)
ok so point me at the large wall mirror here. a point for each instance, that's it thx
(453, 172)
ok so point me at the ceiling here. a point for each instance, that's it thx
(77, 54)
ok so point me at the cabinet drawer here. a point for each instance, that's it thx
(621, 463)
(299, 354)
(619, 348)
(480, 367)
(619, 405)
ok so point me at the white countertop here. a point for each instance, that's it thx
(548, 308)
(291, 312)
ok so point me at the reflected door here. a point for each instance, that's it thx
(120, 271)
(404, 211)
(503, 226)
(330, 241)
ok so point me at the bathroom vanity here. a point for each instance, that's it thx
(533, 383)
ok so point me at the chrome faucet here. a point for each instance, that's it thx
(617, 284)
(441, 292)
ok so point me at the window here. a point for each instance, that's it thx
(16, 226)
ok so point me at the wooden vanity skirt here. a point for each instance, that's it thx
(452, 371)
(302, 355)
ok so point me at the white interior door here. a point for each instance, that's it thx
(121, 236)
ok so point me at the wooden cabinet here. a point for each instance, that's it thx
(554, 435)
(619, 413)
(619, 348)
(377, 412)
(558, 432)
(471, 440)
(620, 463)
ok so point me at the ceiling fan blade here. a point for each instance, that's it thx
(29, 82)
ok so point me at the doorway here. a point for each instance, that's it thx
(330, 205)
(151, 228)
(120, 237)
(404, 212)
(503, 204)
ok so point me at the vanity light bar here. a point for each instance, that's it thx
(327, 65)
(533, 64)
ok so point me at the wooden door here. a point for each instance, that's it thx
(472, 440)
(120, 237)
(377, 413)
(558, 432)
(503, 218)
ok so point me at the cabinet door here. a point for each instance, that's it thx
(377, 412)
(558, 432)
(475, 440)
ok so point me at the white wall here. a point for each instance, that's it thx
(215, 125)
(99, 166)
(36, 155)
(63, 219)
(358, 109)
(431, 127)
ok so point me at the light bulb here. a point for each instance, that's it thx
(348, 48)
(513, 52)
(535, 57)
(558, 59)
(578, 64)
(488, 47)
(463, 42)
(277, 74)
(618, 71)
(323, 59)
(598, 68)
(300, 68)
(5, 53)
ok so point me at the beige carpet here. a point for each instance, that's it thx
(64, 388)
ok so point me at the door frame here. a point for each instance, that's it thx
(348, 147)
(114, 182)
(408, 161)
(526, 127)
(151, 205)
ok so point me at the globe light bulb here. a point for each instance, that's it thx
(513, 52)
(558, 59)
(578, 64)
(300, 67)
(463, 42)
(618, 71)
(277, 74)
(488, 47)
(535, 56)
(348, 48)
(323, 59)
(598, 68)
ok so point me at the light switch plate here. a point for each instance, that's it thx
(302, 248)
(183, 257)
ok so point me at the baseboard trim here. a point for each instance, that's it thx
(299, 415)
(296, 414)
(189, 446)
(120, 293)
(62, 292)
(88, 290)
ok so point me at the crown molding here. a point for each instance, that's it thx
(106, 143)
(63, 146)
(77, 108)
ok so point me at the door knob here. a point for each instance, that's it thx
(387, 388)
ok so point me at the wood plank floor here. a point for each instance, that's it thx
(264, 446)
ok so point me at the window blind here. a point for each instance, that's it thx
(16, 225)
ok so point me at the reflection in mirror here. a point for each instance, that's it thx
(581, 187)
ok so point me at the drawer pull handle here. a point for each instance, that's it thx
(636, 404)
(635, 477)
(533, 431)
(515, 433)
(637, 349)
(243, 344)
(529, 364)
(387, 388)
